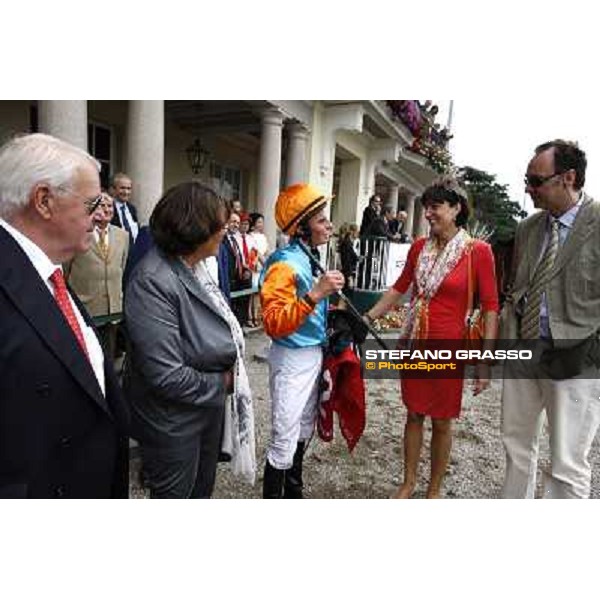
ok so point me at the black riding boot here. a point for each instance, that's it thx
(273, 481)
(293, 476)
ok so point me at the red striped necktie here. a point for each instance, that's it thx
(245, 249)
(61, 295)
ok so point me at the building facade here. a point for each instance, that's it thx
(351, 149)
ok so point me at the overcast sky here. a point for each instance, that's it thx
(499, 136)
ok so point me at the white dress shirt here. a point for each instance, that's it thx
(124, 213)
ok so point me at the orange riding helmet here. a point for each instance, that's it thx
(295, 203)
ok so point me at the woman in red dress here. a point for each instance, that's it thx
(437, 267)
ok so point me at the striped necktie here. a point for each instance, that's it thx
(125, 220)
(103, 243)
(530, 324)
(61, 295)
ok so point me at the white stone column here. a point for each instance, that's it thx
(296, 154)
(410, 215)
(344, 207)
(424, 223)
(421, 226)
(145, 154)
(65, 119)
(347, 117)
(269, 170)
(417, 217)
(380, 151)
(392, 199)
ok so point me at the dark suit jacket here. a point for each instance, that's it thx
(348, 257)
(142, 244)
(59, 436)
(379, 227)
(369, 214)
(235, 281)
(223, 262)
(116, 220)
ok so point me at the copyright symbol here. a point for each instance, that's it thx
(370, 365)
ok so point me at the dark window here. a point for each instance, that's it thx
(227, 181)
(99, 144)
(33, 119)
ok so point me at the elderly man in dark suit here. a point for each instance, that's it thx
(62, 418)
(554, 305)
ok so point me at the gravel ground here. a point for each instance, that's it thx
(374, 469)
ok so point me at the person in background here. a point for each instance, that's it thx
(186, 352)
(249, 252)
(257, 227)
(371, 212)
(294, 317)
(125, 214)
(348, 255)
(239, 275)
(64, 424)
(380, 225)
(236, 207)
(96, 276)
(437, 267)
(401, 218)
(392, 222)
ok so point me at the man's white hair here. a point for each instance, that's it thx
(28, 160)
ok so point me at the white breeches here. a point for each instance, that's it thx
(294, 375)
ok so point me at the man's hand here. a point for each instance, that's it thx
(329, 283)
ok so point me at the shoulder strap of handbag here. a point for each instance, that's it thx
(470, 282)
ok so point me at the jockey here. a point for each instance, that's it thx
(295, 305)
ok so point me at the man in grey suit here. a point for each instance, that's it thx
(554, 305)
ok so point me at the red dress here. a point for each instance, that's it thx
(441, 398)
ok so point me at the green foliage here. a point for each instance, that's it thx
(490, 204)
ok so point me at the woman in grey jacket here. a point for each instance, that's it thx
(186, 351)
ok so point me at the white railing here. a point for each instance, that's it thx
(379, 265)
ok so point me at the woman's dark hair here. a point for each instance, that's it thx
(448, 190)
(567, 155)
(186, 217)
(255, 216)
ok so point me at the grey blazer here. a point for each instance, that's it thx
(574, 286)
(180, 348)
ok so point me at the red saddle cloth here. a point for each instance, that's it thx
(342, 392)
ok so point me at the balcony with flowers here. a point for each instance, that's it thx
(430, 140)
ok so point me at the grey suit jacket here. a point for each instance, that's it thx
(180, 348)
(574, 288)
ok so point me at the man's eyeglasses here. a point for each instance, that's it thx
(536, 181)
(91, 204)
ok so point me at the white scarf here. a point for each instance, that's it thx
(238, 430)
(432, 268)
